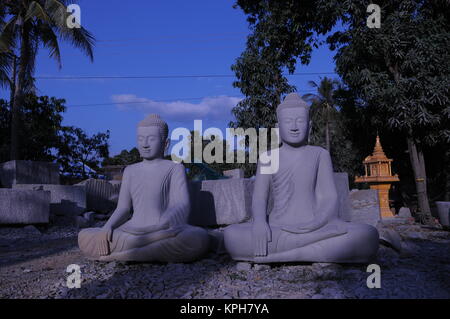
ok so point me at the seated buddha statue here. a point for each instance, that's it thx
(150, 221)
(303, 225)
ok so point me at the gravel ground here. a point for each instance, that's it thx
(33, 264)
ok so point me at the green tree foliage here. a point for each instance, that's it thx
(214, 169)
(261, 80)
(46, 139)
(272, 48)
(282, 32)
(400, 71)
(329, 126)
(26, 26)
(323, 109)
(79, 152)
(41, 123)
(402, 68)
(124, 158)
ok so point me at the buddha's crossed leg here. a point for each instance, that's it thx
(324, 245)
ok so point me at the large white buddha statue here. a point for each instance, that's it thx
(303, 225)
(150, 221)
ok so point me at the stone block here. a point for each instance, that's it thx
(443, 209)
(18, 206)
(100, 195)
(341, 182)
(365, 207)
(220, 202)
(389, 237)
(82, 222)
(234, 173)
(114, 172)
(28, 172)
(65, 200)
(229, 201)
(404, 212)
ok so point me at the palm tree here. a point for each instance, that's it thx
(5, 57)
(323, 103)
(30, 26)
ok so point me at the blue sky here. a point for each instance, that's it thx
(155, 38)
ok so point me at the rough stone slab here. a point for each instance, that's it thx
(100, 194)
(219, 202)
(390, 237)
(443, 209)
(234, 173)
(404, 212)
(18, 206)
(341, 181)
(28, 172)
(243, 266)
(114, 172)
(64, 199)
(365, 207)
(229, 201)
(116, 185)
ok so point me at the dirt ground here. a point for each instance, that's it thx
(33, 264)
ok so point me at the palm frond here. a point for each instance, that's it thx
(313, 84)
(50, 41)
(8, 35)
(78, 37)
(5, 69)
(35, 11)
(82, 39)
(30, 81)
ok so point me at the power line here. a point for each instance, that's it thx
(147, 42)
(140, 102)
(157, 101)
(118, 77)
(175, 36)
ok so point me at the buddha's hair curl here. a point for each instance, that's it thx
(156, 120)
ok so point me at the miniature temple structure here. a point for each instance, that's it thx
(379, 176)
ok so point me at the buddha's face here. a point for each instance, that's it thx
(293, 125)
(150, 142)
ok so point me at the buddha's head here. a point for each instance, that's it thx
(293, 120)
(152, 137)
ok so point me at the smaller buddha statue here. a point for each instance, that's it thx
(150, 221)
(303, 225)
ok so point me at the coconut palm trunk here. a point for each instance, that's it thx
(16, 109)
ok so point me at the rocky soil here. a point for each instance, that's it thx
(33, 264)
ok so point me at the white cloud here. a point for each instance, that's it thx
(218, 107)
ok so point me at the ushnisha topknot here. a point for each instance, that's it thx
(292, 100)
(156, 120)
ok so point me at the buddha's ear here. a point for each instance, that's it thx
(166, 145)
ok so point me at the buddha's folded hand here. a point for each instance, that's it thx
(104, 237)
(144, 230)
(307, 227)
(261, 236)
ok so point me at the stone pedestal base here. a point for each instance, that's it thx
(383, 198)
